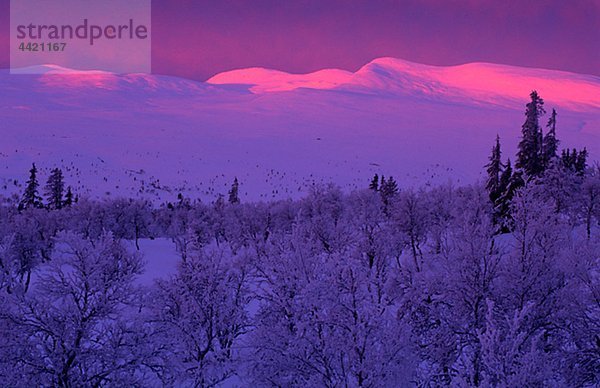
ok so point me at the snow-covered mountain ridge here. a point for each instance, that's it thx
(389, 75)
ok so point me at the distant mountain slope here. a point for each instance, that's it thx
(475, 81)
(156, 136)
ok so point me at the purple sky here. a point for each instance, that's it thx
(199, 38)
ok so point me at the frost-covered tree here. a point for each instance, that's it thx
(441, 202)
(366, 222)
(446, 304)
(201, 315)
(130, 219)
(322, 218)
(580, 358)
(29, 244)
(327, 320)
(512, 356)
(78, 326)
(562, 188)
(536, 270)
(410, 217)
(590, 200)
(473, 256)
(8, 266)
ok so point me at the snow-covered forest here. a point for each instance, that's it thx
(495, 283)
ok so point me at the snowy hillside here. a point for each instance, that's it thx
(156, 136)
(476, 81)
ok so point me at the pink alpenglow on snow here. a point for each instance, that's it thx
(389, 75)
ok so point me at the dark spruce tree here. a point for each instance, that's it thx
(388, 189)
(234, 197)
(502, 201)
(54, 190)
(505, 179)
(510, 182)
(31, 198)
(575, 161)
(382, 182)
(494, 169)
(374, 185)
(69, 199)
(550, 144)
(567, 159)
(530, 156)
(581, 161)
(220, 203)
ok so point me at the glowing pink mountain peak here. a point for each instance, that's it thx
(476, 81)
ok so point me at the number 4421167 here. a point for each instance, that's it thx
(42, 46)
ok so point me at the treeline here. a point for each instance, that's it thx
(378, 287)
(57, 197)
